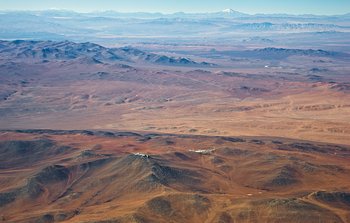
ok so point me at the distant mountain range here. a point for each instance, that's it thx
(88, 52)
(111, 13)
(111, 26)
(272, 53)
(91, 53)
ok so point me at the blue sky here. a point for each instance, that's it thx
(168, 6)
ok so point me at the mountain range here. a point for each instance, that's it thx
(86, 52)
(111, 13)
(113, 26)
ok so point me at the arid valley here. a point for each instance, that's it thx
(222, 117)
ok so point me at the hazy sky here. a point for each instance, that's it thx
(169, 6)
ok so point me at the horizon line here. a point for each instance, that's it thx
(165, 13)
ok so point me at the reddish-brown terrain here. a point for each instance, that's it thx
(65, 85)
(100, 134)
(98, 176)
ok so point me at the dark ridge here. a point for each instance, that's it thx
(168, 175)
(25, 153)
(152, 135)
(47, 218)
(217, 160)
(253, 89)
(160, 206)
(82, 132)
(33, 189)
(96, 163)
(297, 144)
(55, 132)
(257, 141)
(224, 217)
(283, 177)
(304, 147)
(181, 156)
(233, 152)
(87, 166)
(43, 218)
(52, 174)
(104, 134)
(62, 216)
(309, 148)
(88, 154)
(167, 206)
(144, 139)
(334, 168)
(277, 142)
(292, 203)
(119, 134)
(7, 197)
(232, 139)
(35, 184)
(22, 148)
(337, 197)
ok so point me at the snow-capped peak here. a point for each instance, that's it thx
(228, 11)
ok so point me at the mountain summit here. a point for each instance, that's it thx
(231, 12)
